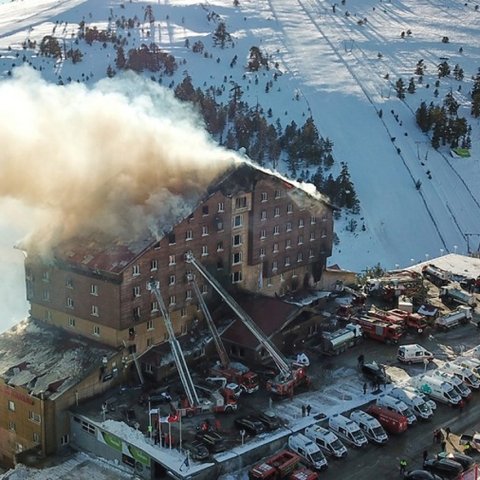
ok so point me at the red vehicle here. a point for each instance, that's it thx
(246, 379)
(414, 321)
(378, 329)
(277, 467)
(391, 421)
(304, 474)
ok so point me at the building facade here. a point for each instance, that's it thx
(252, 230)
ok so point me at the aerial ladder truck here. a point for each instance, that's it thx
(234, 372)
(289, 377)
(193, 404)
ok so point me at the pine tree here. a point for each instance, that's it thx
(400, 88)
(422, 118)
(411, 86)
(475, 111)
(443, 69)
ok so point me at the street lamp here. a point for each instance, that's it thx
(455, 248)
(441, 251)
(427, 256)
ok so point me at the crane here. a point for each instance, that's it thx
(185, 377)
(233, 372)
(288, 377)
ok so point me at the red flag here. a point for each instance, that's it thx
(173, 417)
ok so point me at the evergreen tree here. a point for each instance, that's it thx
(221, 36)
(422, 118)
(120, 61)
(443, 69)
(346, 192)
(458, 72)
(475, 110)
(411, 86)
(451, 104)
(400, 88)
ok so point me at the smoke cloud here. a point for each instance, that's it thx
(114, 158)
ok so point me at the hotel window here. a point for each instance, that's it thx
(300, 239)
(289, 207)
(136, 313)
(236, 277)
(301, 223)
(263, 234)
(310, 253)
(204, 230)
(69, 283)
(312, 236)
(264, 196)
(96, 330)
(171, 259)
(188, 295)
(93, 289)
(149, 342)
(172, 300)
(262, 252)
(71, 322)
(276, 212)
(241, 202)
(183, 312)
(171, 238)
(263, 215)
(48, 315)
(287, 261)
(219, 225)
(46, 276)
(69, 302)
(274, 266)
(237, 258)
(46, 295)
(237, 240)
(278, 194)
(11, 405)
(238, 221)
(275, 248)
(65, 439)
(313, 220)
(324, 233)
(288, 243)
(288, 226)
(136, 270)
(220, 246)
(204, 289)
(205, 210)
(36, 437)
(153, 265)
(171, 280)
(136, 291)
(11, 426)
(188, 235)
(276, 230)
(204, 250)
(34, 417)
(299, 257)
(221, 207)
(154, 307)
(94, 311)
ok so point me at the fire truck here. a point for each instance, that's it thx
(289, 376)
(283, 465)
(378, 329)
(219, 400)
(413, 321)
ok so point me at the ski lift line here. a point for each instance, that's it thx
(277, 357)
(455, 221)
(222, 352)
(177, 352)
(362, 87)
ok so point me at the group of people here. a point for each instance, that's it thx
(306, 410)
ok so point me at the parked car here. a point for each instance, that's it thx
(269, 420)
(251, 424)
(375, 373)
(464, 460)
(212, 440)
(443, 467)
(421, 475)
(197, 450)
(159, 398)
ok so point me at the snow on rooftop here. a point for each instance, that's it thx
(454, 263)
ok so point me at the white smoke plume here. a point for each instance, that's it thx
(114, 158)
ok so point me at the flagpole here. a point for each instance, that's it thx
(150, 419)
(170, 434)
(180, 430)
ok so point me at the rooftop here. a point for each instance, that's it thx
(46, 359)
(461, 265)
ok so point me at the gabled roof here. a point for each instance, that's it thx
(45, 359)
(269, 313)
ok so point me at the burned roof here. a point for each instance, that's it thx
(46, 359)
(270, 314)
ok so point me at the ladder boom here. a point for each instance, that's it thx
(277, 357)
(222, 352)
(177, 352)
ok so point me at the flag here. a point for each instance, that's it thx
(172, 418)
(154, 411)
(260, 277)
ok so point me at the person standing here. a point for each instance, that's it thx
(425, 456)
(403, 466)
(364, 388)
(308, 409)
(303, 410)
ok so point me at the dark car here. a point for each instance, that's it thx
(464, 460)
(443, 467)
(251, 424)
(212, 440)
(421, 475)
(269, 419)
(197, 450)
(376, 373)
(159, 398)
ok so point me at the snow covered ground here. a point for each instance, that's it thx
(333, 68)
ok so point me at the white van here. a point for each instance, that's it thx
(457, 383)
(327, 441)
(420, 408)
(309, 451)
(438, 389)
(347, 430)
(413, 353)
(370, 426)
(464, 373)
(431, 403)
(395, 405)
(474, 365)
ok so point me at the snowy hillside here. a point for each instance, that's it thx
(337, 63)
